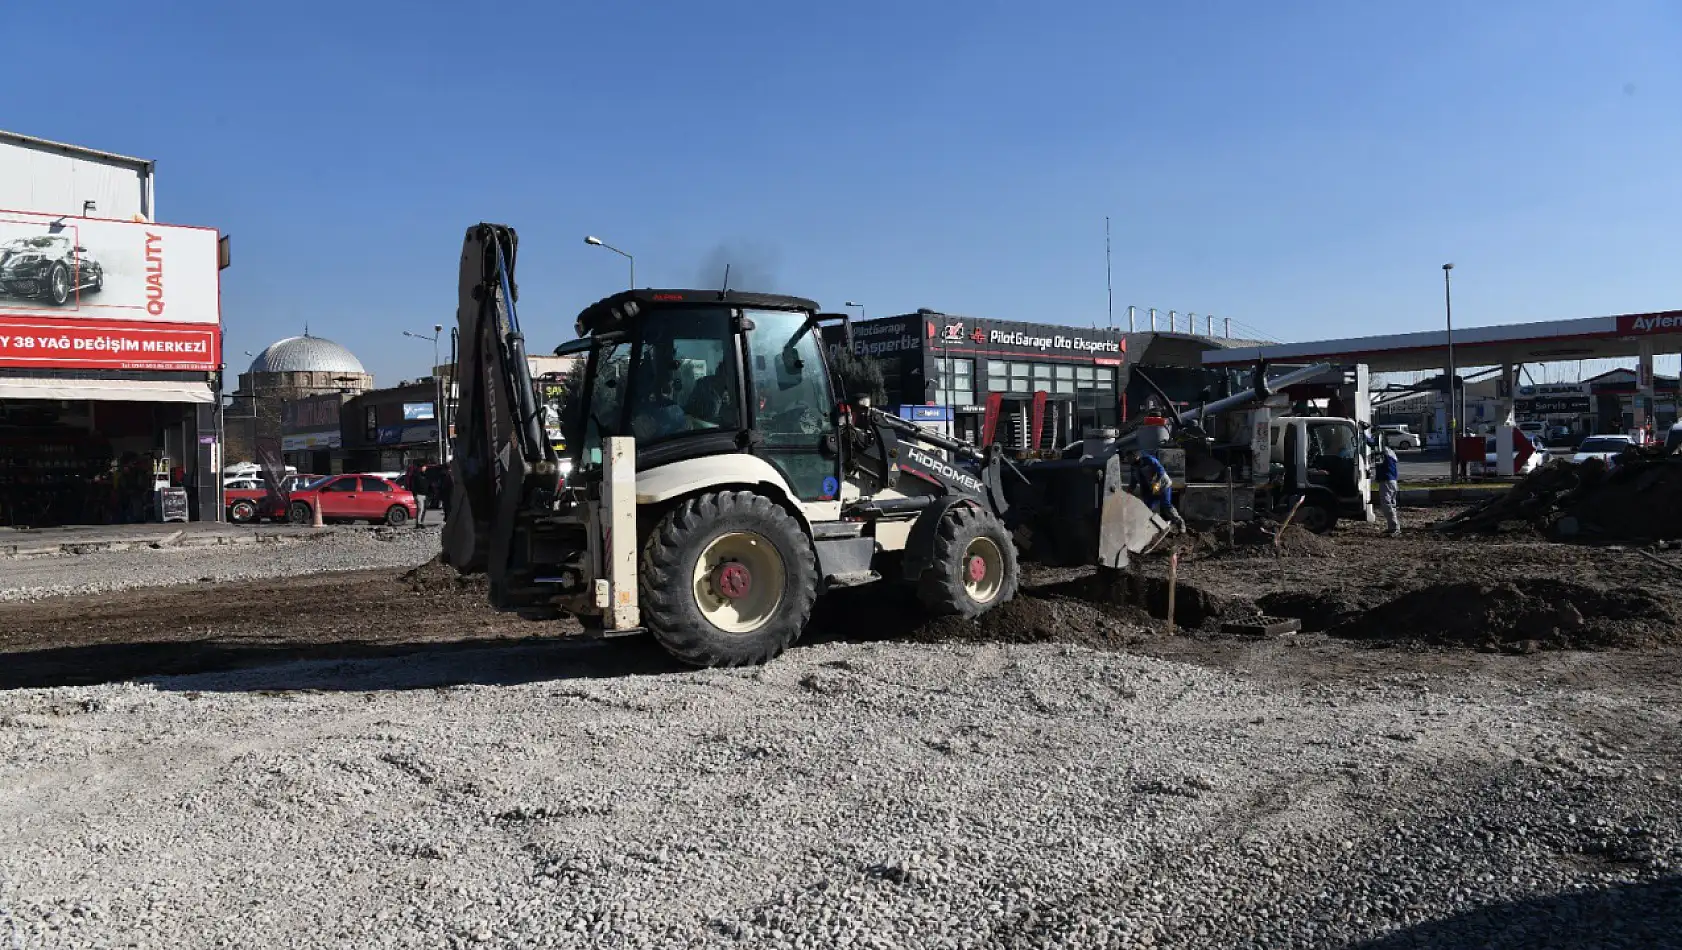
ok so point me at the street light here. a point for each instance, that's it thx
(857, 306)
(437, 402)
(1456, 404)
(598, 242)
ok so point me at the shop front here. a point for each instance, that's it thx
(386, 430)
(110, 346)
(1045, 385)
(311, 435)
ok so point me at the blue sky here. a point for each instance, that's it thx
(1302, 167)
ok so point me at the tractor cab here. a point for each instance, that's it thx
(696, 373)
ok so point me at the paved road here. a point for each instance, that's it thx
(1425, 464)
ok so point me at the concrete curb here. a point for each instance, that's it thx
(1427, 497)
(176, 540)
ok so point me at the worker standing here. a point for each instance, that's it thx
(1384, 472)
(1151, 483)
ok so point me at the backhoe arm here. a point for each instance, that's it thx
(504, 469)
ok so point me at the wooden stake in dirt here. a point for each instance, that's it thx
(1173, 575)
(1281, 532)
(1231, 535)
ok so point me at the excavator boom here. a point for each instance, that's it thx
(504, 468)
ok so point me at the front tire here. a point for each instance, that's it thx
(974, 566)
(1317, 515)
(242, 512)
(727, 579)
(300, 513)
(58, 285)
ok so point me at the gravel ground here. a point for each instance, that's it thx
(336, 549)
(864, 795)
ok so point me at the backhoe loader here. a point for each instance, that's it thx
(721, 482)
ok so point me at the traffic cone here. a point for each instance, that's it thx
(315, 516)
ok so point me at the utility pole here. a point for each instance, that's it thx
(1455, 406)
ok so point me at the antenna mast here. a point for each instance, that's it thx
(1109, 288)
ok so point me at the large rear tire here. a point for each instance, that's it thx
(974, 566)
(727, 579)
(242, 511)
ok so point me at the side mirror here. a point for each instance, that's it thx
(81, 250)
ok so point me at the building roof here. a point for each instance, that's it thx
(1606, 337)
(78, 151)
(307, 354)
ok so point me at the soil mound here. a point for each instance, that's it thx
(1520, 616)
(436, 577)
(1036, 618)
(1638, 498)
(1255, 539)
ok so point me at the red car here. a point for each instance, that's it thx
(353, 498)
(246, 505)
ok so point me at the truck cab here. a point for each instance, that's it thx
(1325, 461)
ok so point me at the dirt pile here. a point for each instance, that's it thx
(1042, 618)
(1636, 499)
(1256, 539)
(1518, 616)
(436, 577)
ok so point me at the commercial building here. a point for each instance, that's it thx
(110, 341)
(384, 430)
(1052, 384)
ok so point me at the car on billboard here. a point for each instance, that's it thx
(353, 498)
(48, 267)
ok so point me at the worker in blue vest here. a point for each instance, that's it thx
(1385, 472)
(1151, 483)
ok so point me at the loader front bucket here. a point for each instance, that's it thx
(1077, 512)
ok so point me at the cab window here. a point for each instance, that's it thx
(685, 379)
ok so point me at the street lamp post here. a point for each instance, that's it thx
(1456, 405)
(437, 401)
(857, 306)
(598, 242)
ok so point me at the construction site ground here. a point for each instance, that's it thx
(1473, 741)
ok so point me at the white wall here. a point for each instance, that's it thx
(38, 179)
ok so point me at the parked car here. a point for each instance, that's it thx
(1490, 456)
(250, 501)
(1534, 431)
(1603, 447)
(49, 267)
(1399, 436)
(352, 498)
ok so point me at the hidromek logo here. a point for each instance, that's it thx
(939, 467)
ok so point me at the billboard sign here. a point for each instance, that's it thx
(417, 411)
(1632, 324)
(89, 293)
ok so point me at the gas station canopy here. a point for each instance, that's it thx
(1588, 338)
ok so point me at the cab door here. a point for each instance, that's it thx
(791, 406)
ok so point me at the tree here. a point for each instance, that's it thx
(854, 375)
